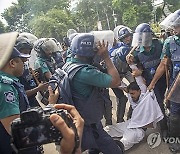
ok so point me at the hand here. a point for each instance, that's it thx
(130, 59)
(42, 86)
(151, 87)
(53, 96)
(102, 49)
(136, 73)
(67, 143)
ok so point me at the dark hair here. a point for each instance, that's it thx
(133, 86)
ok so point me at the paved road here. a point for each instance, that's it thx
(141, 148)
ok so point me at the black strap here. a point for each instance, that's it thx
(23, 100)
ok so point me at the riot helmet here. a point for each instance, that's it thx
(167, 22)
(22, 43)
(176, 23)
(71, 37)
(45, 47)
(83, 45)
(176, 26)
(70, 32)
(116, 29)
(32, 38)
(58, 45)
(124, 32)
(143, 35)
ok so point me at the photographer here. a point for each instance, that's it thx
(14, 100)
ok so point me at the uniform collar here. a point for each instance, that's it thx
(141, 49)
(176, 38)
(8, 76)
(76, 60)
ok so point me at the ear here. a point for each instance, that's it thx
(12, 63)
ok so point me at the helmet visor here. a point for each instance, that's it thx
(176, 23)
(168, 21)
(49, 46)
(142, 39)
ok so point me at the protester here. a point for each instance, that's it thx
(143, 103)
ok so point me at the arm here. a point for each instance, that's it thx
(6, 122)
(139, 79)
(159, 72)
(40, 87)
(111, 70)
(47, 75)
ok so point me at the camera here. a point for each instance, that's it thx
(34, 127)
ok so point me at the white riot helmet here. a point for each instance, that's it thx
(70, 32)
(168, 21)
(116, 30)
(32, 38)
(176, 23)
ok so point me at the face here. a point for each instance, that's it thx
(134, 94)
(177, 30)
(48, 53)
(147, 48)
(26, 51)
(18, 66)
(128, 39)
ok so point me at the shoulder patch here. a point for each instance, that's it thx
(44, 64)
(9, 96)
(6, 80)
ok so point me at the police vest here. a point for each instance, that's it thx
(23, 100)
(92, 108)
(58, 59)
(119, 60)
(151, 61)
(51, 64)
(28, 78)
(175, 52)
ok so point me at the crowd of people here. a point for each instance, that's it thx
(150, 64)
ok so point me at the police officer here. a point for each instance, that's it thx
(57, 55)
(119, 60)
(13, 98)
(171, 52)
(45, 63)
(116, 43)
(27, 79)
(87, 95)
(148, 56)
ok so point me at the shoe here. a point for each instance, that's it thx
(174, 147)
(120, 144)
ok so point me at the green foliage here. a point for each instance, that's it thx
(173, 5)
(53, 18)
(158, 14)
(156, 28)
(2, 27)
(134, 12)
(88, 12)
(54, 23)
